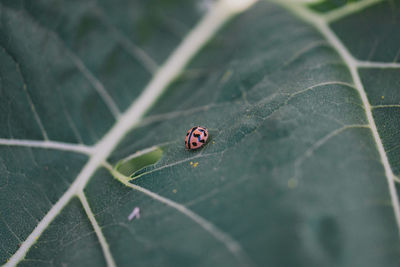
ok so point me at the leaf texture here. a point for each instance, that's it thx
(302, 110)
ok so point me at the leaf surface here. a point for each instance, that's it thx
(294, 174)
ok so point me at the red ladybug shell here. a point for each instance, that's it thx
(196, 137)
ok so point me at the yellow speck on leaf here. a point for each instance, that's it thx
(226, 76)
(383, 97)
(174, 191)
(292, 183)
(195, 164)
(191, 163)
(213, 142)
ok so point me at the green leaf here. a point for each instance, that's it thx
(329, 5)
(135, 163)
(302, 110)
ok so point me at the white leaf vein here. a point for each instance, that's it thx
(192, 43)
(321, 24)
(47, 144)
(377, 65)
(319, 143)
(348, 9)
(232, 245)
(103, 243)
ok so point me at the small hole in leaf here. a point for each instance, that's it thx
(132, 164)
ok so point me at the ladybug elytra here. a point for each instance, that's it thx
(196, 137)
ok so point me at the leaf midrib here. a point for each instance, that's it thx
(163, 77)
(189, 47)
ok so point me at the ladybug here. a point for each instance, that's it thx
(196, 137)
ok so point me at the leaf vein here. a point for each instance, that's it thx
(78, 148)
(321, 24)
(193, 42)
(104, 245)
(232, 245)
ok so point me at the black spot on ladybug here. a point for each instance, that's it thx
(185, 142)
(202, 141)
(205, 134)
(194, 143)
(187, 134)
(194, 128)
(196, 135)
